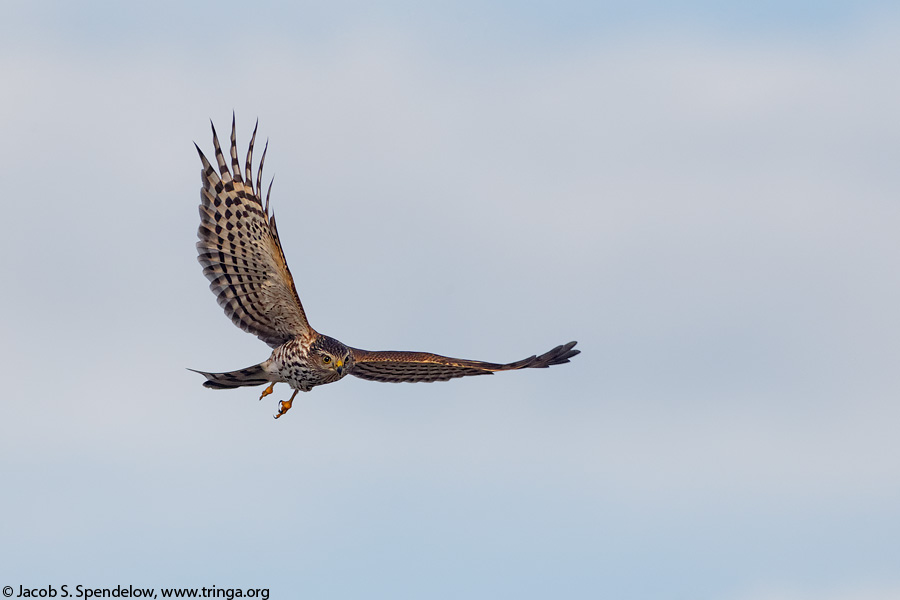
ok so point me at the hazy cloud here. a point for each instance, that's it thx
(712, 216)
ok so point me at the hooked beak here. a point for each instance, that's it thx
(339, 367)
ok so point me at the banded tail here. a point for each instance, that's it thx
(254, 375)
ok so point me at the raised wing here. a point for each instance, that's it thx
(399, 367)
(240, 251)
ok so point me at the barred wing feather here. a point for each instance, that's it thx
(396, 366)
(241, 253)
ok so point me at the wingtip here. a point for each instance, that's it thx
(567, 351)
(214, 134)
(557, 356)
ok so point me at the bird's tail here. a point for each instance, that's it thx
(254, 375)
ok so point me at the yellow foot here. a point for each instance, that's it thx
(267, 391)
(285, 405)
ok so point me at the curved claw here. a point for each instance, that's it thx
(285, 405)
(267, 391)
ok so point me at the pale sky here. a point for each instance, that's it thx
(704, 195)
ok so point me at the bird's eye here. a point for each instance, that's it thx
(326, 359)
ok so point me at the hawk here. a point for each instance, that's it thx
(247, 271)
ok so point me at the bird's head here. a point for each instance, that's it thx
(330, 357)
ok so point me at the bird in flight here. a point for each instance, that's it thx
(247, 271)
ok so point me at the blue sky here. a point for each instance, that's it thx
(703, 194)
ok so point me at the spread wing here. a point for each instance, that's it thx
(399, 367)
(240, 251)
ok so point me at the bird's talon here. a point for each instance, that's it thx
(267, 391)
(283, 407)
